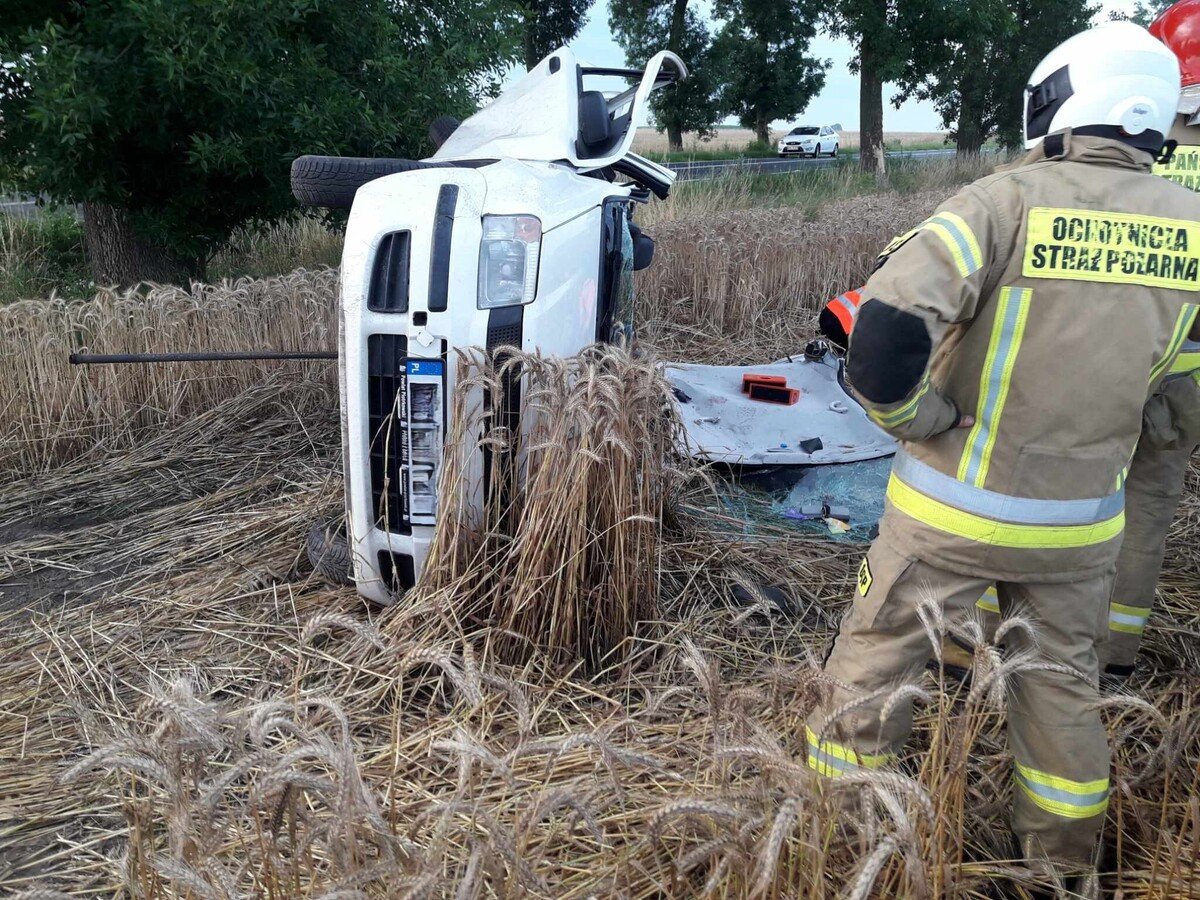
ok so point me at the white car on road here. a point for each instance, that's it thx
(810, 140)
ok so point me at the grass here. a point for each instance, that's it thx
(573, 703)
(42, 255)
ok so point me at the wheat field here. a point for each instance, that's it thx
(586, 697)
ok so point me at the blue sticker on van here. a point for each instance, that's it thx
(425, 367)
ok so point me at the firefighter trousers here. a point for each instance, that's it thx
(1152, 493)
(1057, 739)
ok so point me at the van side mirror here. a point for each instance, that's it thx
(643, 248)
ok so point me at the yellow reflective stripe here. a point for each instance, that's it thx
(963, 236)
(1008, 330)
(955, 233)
(1127, 619)
(1142, 611)
(1062, 796)
(990, 601)
(1187, 361)
(902, 414)
(1183, 325)
(832, 759)
(966, 525)
(956, 251)
(1113, 248)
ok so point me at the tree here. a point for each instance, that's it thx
(172, 122)
(975, 59)
(882, 54)
(644, 27)
(1144, 13)
(762, 49)
(548, 24)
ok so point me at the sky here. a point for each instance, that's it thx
(838, 101)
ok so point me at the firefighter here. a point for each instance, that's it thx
(1010, 342)
(836, 322)
(1171, 423)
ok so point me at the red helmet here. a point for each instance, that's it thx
(1178, 27)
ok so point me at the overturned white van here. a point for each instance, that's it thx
(519, 231)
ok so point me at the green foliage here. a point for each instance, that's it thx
(1143, 13)
(762, 49)
(644, 27)
(547, 25)
(42, 254)
(187, 113)
(973, 59)
(873, 26)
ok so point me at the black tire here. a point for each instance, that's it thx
(329, 552)
(441, 128)
(833, 153)
(332, 181)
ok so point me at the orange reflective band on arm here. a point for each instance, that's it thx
(845, 309)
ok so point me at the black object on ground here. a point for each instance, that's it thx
(777, 596)
(91, 359)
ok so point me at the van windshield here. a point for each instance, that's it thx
(804, 129)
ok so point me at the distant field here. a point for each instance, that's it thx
(735, 140)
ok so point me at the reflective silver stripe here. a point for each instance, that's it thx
(843, 301)
(990, 601)
(1001, 507)
(955, 226)
(1122, 619)
(829, 761)
(1057, 795)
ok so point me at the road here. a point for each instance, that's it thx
(699, 170)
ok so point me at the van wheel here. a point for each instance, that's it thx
(329, 552)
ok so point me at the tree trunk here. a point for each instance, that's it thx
(678, 18)
(968, 139)
(762, 130)
(870, 109)
(971, 131)
(674, 137)
(529, 42)
(118, 256)
(674, 38)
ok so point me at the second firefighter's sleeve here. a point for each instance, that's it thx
(1171, 419)
(925, 281)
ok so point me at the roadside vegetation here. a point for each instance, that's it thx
(584, 696)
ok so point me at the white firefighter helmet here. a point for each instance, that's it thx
(1114, 80)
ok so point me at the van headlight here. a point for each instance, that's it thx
(508, 260)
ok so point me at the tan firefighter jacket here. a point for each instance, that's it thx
(1049, 301)
(1172, 417)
